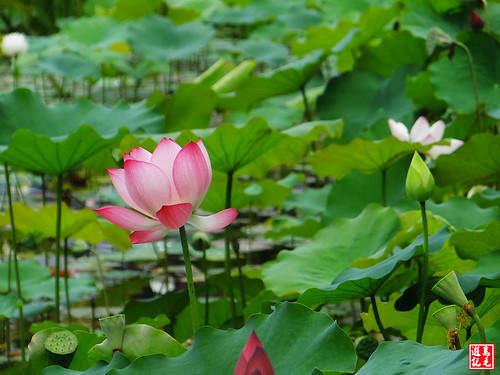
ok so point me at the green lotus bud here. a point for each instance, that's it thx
(449, 288)
(201, 241)
(447, 316)
(419, 181)
(113, 328)
(438, 40)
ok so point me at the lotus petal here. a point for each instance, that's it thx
(214, 222)
(138, 153)
(127, 219)
(175, 216)
(118, 180)
(149, 235)
(399, 130)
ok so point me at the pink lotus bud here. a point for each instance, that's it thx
(253, 359)
(475, 20)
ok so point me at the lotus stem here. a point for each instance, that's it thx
(193, 302)
(474, 83)
(377, 318)
(58, 246)
(16, 265)
(486, 16)
(384, 187)
(424, 276)
(15, 72)
(307, 112)
(66, 279)
(103, 283)
(162, 261)
(227, 243)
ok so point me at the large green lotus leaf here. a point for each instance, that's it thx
(419, 89)
(7, 305)
(215, 200)
(130, 9)
(157, 38)
(485, 52)
(332, 250)
(419, 16)
(52, 140)
(70, 65)
(267, 193)
(486, 198)
(296, 339)
(182, 111)
(486, 273)
(284, 80)
(290, 226)
(42, 223)
(476, 162)
(231, 148)
(474, 244)
(96, 232)
(412, 358)
(138, 340)
(359, 155)
(395, 50)
(251, 12)
(381, 98)
(294, 145)
(298, 17)
(334, 11)
(93, 32)
(310, 202)
(278, 116)
(119, 361)
(464, 213)
(356, 283)
(323, 37)
(349, 195)
(264, 51)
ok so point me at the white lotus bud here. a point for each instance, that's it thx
(14, 44)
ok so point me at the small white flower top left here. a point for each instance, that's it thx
(14, 44)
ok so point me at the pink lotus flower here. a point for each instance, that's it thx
(253, 359)
(424, 134)
(165, 187)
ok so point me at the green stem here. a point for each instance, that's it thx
(384, 187)
(377, 318)
(16, 265)
(474, 83)
(207, 289)
(240, 276)
(103, 283)
(307, 112)
(486, 16)
(58, 246)
(424, 276)
(15, 72)
(66, 279)
(189, 277)
(162, 262)
(165, 262)
(227, 241)
(480, 329)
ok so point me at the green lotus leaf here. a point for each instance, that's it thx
(93, 32)
(310, 202)
(284, 226)
(355, 283)
(476, 162)
(139, 340)
(322, 345)
(157, 38)
(420, 16)
(485, 52)
(335, 11)
(70, 65)
(359, 155)
(278, 116)
(475, 244)
(130, 9)
(284, 80)
(264, 51)
(7, 305)
(419, 89)
(381, 98)
(231, 148)
(119, 361)
(332, 250)
(53, 140)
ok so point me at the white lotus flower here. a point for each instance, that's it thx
(424, 134)
(14, 44)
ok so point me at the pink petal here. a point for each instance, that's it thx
(175, 216)
(191, 174)
(435, 151)
(126, 219)
(399, 130)
(260, 363)
(147, 185)
(150, 235)
(436, 131)
(118, 180)
(419, 131)
(207, 158)
(214, 222)
(138, 153)
(164, 156)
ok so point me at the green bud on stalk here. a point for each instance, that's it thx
(419, 181)
(201, 241)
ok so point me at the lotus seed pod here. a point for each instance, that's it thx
(449, 288)
(365, 346)
(113, 328)
(447, 316)
(201, 241)
(61, 346)
(419, 181)
(438, 40)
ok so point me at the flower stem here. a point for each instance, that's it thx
(189, 276)
(424, 276)
(480, 328)
(66, 279)
(101, 276)
(486, 16)
(58, 246)
(384, 187)
(227, 242)
(474, 83)
(16, 265)
(377, 318)
(207, 289)
(307, 113)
